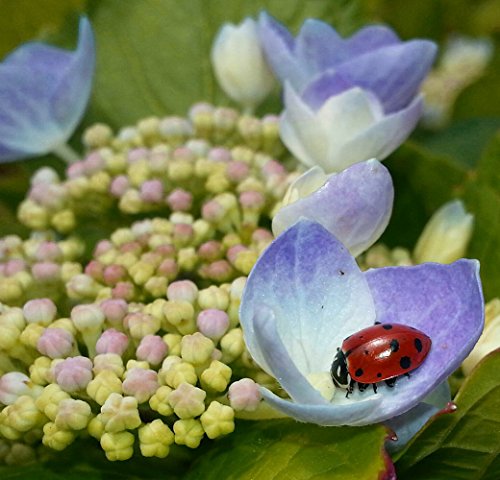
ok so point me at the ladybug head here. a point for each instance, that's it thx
(339, 372)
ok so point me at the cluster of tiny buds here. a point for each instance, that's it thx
(214, 165)
(171, 371)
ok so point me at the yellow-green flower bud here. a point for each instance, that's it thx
(138, 172)
(141, 272)
(173, 341)
(178, 374)
(63, 221)
(232, 345)
(48, 401)
(120, 413)
(187, 258)
(213, 297)
(245, 260)
(56, 438)
(73, 414)
(97, 135)
(155, 439)
(143, 364)
(179, 170)
(32, 215)
(23, 415)
(217, 420)
(188, 432)
(19, 454)
(108, 361)
(178, 312)
(96, 427)
(30, 335)
(6, 431)
(159, 401)
(118, 446)
(39, 370)
(103, 385)
(187, 401)
(100, 182)
(156, 286)
(196, 349)
(216, 377)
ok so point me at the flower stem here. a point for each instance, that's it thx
(66, 153)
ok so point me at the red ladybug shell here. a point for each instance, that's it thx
(384, 351)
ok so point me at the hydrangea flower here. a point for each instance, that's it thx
(355, 205)
(43, 94)
(346, 100)
(306, 294)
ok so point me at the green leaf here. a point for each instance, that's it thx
(24, 20)
(466, 444)
(425, 180)
(282, 449)
(153, 56)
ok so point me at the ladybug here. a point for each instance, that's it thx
(378, 353)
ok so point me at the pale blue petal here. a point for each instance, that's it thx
(326, 415)
(277, 360)
(443, 301)
(405, 426)
(316, 292)
(355, 205)
(393, 73)
(43, 94)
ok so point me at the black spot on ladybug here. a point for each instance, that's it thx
(346, 354)
(379, 375)
(388, 326)
(359, 372)
(341, 272)
(361, 336)
(366, 352)
(418, 344)
(405, 362)
(394, 345)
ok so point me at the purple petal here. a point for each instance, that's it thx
(408, 424)
(393, 73)
(355, 205)
(326, 415)
(277, 361)
(316, 292)
(43, 93)
(382, 138)
(279, 46)
(443, 301)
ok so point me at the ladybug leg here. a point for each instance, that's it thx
(377, 323)
(350, 388)
(391, 382)
(374, 387)
(362, 386)
(407, 374)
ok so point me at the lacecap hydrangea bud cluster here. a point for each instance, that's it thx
(131, 334)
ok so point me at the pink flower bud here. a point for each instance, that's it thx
(55, 343)
(168, 268)
(213, 323)
(201, 108)
(48, 251)
(182, 290)
(233, 251)
(210, 251)
(212, 211)
(166, 250)
(219, 154)
(114, 310)
(184, 153)
(93, 163)
(237, 170)
(119, 186)
(180, 200)
(112, 341)
(102, 247)
(75, 170)
(253, 200)
(46, 271)
(137, 154)
(14, 266)
(152, 191)
(244, 395)
(272, 167)
(113, 274)
(131, 247)
(152, 349)
(123, 290)
(73, 374)
(140, 383)
(40, 310)
(12, 386)
(183, 232)
(220, 270)
(95, 270)
(262, 235)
